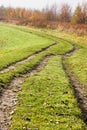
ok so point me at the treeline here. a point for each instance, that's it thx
(53, 13)
(50, 17)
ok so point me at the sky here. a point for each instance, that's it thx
(38, 4)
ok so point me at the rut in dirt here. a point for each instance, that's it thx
(14, 66)
(79, 88)
(8, 99)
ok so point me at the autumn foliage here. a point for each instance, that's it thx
(50, 17)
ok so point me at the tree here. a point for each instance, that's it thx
(84, 12)
(10, 12)
(65, 13)
(77, 16)
(50, 13)
(54, 12)
(2, 11)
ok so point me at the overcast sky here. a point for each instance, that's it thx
(38, 4)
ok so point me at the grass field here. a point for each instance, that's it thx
(16, 45)
(47, 99)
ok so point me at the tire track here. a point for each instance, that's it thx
(79, 89)
(14, 66)
(8, 98)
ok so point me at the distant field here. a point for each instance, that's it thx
(47, 100)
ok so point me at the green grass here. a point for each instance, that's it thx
(61, 48)
(77, 62)
(28, 66)
(16, 45)
(47, 102)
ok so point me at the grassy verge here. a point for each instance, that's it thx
(47, 102)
